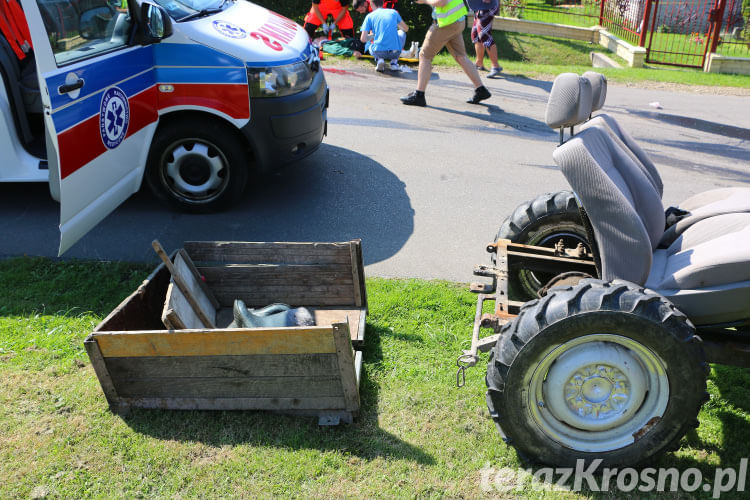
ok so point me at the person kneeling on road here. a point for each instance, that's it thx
(388, 33)
(446, 31)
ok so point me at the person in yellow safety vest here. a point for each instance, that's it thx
(446, 31)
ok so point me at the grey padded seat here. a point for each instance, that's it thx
(705, 272)
(701, 206)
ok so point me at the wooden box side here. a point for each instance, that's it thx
(266, 369)
(142, 309)
(298, 274)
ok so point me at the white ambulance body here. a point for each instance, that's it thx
(192, 95)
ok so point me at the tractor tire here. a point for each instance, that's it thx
(598, 370)
(197, 166)
(542, 221)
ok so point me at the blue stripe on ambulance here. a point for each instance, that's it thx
(89, 106)
(201, 75)
(98, 73)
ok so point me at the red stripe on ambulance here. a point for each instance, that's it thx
(232, 100)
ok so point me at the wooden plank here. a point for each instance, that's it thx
(197, 278)
(100, 368)
(257, 298)
(345, 355)
(240, 341)
(359, 263)
(341, 291)
(267, 365)
(301, 404)
(230, 387)
(169, 316)
(179, 314)
(183, 302)
(185, 285)
(268, 252)
(270, 274)
(356, 284)
(353, 317)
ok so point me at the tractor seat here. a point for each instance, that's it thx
(705, 271)
(700, 206)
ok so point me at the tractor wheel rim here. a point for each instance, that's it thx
(597, 392)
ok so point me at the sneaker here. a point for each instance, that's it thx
(495, 72)
(414, 99)
(395, 66)
(480, 68)
(480, 94)
(380, 65)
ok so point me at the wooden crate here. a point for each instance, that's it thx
(303, 370)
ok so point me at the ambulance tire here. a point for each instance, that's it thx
(197, 167)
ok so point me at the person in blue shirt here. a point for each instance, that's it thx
(388, 33)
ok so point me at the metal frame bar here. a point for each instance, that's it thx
(727, 344)
(511, 255)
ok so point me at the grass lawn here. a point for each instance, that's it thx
(418, 435)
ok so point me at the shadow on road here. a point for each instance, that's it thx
(696, 124)
(493, 114)
(334, 195)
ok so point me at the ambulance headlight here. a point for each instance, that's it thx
(277, 81)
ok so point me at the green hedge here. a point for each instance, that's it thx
(418, 17)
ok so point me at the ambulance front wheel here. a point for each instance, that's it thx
(197, 166)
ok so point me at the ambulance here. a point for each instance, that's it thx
(191, 96)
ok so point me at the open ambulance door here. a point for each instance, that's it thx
(99, 99)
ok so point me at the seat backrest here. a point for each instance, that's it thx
(624, 207)
(599, 91)
(625, 141)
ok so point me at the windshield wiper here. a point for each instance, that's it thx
(200, 13)
(204, 12)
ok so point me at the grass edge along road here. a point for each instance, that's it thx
(418, 434)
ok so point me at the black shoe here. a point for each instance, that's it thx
(480, 94)
(414, 99)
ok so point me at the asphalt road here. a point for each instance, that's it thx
(424, 188)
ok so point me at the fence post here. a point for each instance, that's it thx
(644, 24)
(601, 12)
(717, 18)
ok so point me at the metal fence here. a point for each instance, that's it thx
(584, 13)
(674, 32)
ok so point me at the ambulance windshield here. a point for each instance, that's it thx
(184, 10)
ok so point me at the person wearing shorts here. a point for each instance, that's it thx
(321, 9)
(446, 31)
(481, 36)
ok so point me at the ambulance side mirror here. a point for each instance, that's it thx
(156, 23)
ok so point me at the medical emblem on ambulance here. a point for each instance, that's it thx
(114, 116)
(229, 29)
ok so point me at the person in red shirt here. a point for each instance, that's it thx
(321, 9)
(14, 28)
